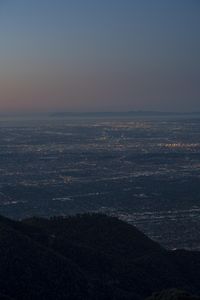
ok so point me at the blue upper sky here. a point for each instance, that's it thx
(85, 55)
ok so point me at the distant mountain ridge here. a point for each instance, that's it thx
(100, 114)
(123, 114)
(89, 257)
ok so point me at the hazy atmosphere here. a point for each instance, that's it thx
(99, 55)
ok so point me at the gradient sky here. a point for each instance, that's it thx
(92, 55)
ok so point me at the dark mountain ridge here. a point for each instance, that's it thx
(88, 257)
(136, 113)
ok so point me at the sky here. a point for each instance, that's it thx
(91, 55)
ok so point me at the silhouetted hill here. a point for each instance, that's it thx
(88, 257)
(105, 234)
(31, 271)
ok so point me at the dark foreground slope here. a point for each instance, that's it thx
(30, 271)
(88, 257)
